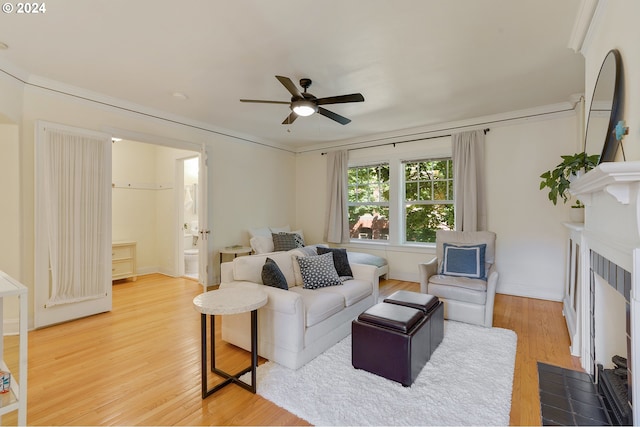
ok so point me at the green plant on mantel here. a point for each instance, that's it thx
(559, 179)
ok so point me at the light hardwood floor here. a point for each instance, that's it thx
(139, 364)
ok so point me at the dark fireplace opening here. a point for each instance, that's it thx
(612, 284)
(614, 387)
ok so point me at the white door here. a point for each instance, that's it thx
(73, 223)
(205, 262)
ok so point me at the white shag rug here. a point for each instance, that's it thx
(467, 381)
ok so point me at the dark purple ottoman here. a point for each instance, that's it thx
(392, 341)
(432, 308)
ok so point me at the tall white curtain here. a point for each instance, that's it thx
(469, 181)
(75, 192)
(337, 221)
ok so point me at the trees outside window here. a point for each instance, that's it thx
(426, 203)
(428, 199)
(368, 189)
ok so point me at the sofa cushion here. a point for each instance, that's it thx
(261, 244)
(261, 231)
(318, 271)
(249, 268)
(286, 241)
(458, 288)
(340, 260)
(319, 306)
(272, 275)
(464, 261)
(351, 290)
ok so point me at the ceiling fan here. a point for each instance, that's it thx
(305, 104)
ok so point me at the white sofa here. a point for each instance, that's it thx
(297, 324)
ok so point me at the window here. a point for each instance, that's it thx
(368, 200)
(428, 198)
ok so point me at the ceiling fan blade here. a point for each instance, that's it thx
(333, 116)
(286, 82)
(354, 97)
(265, 102)
(290, 118)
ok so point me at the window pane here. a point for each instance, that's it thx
(425, 170)
(368, 202)
(422, 221)
(440, 190)
(425, 190)
(369, 222)
(411, 191)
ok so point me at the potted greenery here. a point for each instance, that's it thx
(559, 179)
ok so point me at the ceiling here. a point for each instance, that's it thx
(417, 62)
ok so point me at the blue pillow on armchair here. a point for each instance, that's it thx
(464, 261)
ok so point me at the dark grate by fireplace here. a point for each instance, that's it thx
(615, 391)
(613, 384)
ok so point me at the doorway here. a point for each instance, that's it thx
(187, 254)
(151, 190)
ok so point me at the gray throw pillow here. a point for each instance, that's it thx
(340, 260)
(318, 271)
(286, 241)
(272, 275)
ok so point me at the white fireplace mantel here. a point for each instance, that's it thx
(611, 193)
(619, 179)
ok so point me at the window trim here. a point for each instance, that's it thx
(405, 202)
(394, 156)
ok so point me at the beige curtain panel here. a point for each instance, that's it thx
(469, 180)
(337, 225)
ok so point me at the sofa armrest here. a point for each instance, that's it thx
(492, 284)
(426, 270)
(367, 273)
(279, 300)
(226, 272)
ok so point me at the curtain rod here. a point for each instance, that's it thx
(402, 142)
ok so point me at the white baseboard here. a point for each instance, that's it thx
(505, 289)
(403, 275)
(11, 326)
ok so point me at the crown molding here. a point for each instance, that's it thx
(599, 11)
(581, 24)
(38, 83)
(544, 112)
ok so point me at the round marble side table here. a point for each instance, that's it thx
(221, 302)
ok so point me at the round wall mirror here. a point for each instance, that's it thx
(603, 113)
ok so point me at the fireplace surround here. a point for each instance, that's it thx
(610, 247)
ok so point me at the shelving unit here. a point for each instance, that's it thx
(123, 260)
(16, 398)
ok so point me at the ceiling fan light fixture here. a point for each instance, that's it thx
(304, 107)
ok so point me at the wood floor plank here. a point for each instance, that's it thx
(140, 363)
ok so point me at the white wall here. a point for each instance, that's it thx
(146, 212)
(615, 26)
(248, 185)
(531, 239)
(10, 212)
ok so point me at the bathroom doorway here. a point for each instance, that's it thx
(187, 172)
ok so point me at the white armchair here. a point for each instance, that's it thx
(466, 298)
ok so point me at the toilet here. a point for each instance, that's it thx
(191, 262)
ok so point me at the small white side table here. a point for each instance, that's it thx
(240, 250)
(228, 301)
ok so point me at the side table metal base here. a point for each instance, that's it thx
(229, 378)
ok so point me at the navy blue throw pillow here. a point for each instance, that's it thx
(340, 260)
